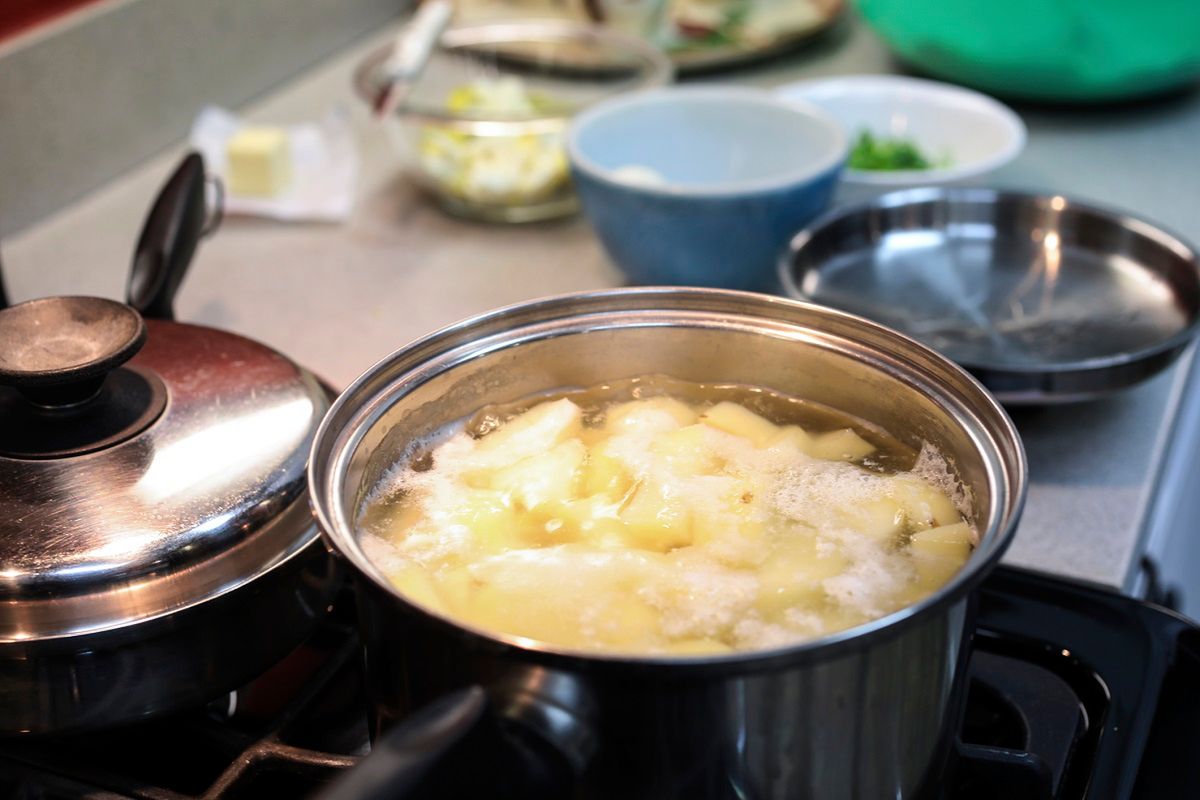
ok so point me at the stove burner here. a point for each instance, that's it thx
(291, 731)
(1022, 728)
(1075, 693)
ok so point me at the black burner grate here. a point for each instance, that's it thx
(284, 735)
(1039, 722)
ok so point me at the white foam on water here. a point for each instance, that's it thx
(818, 492)
(701, 598)
(700, 591)
(873, 578)
(754, 633)
(933, 468)
(383, 553)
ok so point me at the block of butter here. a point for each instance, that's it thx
(259, 162)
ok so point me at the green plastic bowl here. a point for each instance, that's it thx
(1047, 50)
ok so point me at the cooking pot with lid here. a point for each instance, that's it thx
(156, 545)
(862, 713)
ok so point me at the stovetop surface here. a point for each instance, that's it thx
(1075, 693)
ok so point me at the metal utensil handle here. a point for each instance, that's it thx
(177, 221)
(412, 49)
(456, 747)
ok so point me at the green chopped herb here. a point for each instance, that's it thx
(727, 33)
(884, 153)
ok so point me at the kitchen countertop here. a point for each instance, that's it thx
(339, 297)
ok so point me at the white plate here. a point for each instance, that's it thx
(972, 132)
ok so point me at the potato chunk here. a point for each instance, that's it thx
(793, 440)
(925, 505)
(552, 476)
(659, 527)
(698, 647)
(417, 585)
(489, 517)
(649, 416)
(939, 553)
(656, 517)
(623, 620)
(630, 451)
(525, 435)
(687, 451)
(740, 421)
(728, 520)
(604, 474)
(794, 575)
(843, 445)
(946, 541)
(879, 518)
(455, 587)
(551, 593)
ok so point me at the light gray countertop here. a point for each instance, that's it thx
(338, 298)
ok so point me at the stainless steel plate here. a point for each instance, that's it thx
(1044, 299)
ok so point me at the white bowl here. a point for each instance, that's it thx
(973, 132)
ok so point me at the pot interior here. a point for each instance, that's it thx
(831, 358)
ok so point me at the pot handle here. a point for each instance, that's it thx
(457, 746)
(177, 221)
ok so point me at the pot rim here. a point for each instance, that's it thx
(360, 406)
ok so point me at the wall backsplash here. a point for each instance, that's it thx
(88, 96)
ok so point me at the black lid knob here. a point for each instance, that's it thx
(58, 350)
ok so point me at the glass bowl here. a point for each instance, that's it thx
(483, 128)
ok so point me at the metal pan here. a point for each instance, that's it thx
(156, 541)
(1044, 299)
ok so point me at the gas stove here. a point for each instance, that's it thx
(1074, 692)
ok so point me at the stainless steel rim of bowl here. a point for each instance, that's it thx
(657, 70)
(933, 194)
(838, 151)
(360, 406)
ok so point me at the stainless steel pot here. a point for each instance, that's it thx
(156, 546)
(863, 713)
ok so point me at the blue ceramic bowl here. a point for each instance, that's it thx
(703, 186)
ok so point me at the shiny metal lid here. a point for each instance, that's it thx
(204, 498)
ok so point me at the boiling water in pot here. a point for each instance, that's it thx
(656, 516)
